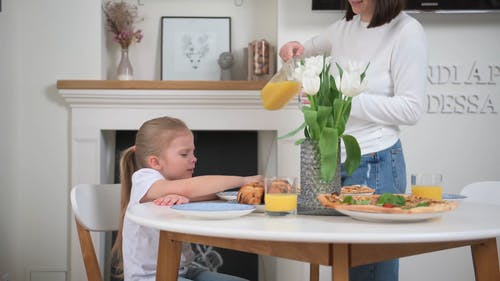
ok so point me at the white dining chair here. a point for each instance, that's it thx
(96, 208)
(483, 192)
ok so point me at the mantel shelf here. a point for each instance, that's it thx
(160, 85)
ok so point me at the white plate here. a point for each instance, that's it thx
(260, 208)
(228, 195)
(213, 210)
(382, 217)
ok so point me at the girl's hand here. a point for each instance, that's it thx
(252, 179)
(170, 200)
(290, 50)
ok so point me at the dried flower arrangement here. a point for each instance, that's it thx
(120, 19)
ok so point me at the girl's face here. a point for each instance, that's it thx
(178, 160)
(363, 8)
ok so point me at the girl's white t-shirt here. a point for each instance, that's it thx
(140, 243)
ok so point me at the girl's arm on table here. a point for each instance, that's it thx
(197, 187)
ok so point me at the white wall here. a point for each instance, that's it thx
(43, 41)
(9, 107)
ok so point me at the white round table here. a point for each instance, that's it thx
(338, 241)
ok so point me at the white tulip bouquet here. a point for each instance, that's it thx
(328, 109)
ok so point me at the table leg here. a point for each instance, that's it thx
(340, 262)
(485, 257)
(169, 256)
(313, 272)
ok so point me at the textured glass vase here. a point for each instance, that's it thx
(125, 70)
(311, 183)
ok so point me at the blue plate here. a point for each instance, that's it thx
(213, 210)
(450, 196)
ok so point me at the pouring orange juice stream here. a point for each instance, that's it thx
(281, 88)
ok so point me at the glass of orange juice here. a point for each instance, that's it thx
(280, 197)
(427, 185)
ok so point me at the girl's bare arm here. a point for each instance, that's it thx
(197, 186)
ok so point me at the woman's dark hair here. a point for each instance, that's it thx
(385, 11)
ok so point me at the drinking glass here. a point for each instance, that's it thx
(280, 197)
(427, 185)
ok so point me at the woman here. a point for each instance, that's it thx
(378, 32)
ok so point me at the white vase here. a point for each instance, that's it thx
(125, 70)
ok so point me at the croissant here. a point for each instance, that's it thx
(252, 193)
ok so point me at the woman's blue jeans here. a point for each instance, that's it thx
(385, 171)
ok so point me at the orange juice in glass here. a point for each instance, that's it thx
(427, 185)
(280, 197)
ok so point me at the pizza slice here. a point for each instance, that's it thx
(387, 203)
(357, 190)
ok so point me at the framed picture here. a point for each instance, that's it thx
(191, 46)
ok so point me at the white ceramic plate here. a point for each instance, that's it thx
(381, 217)
(213, 210)
(228, 195)
(260, 208)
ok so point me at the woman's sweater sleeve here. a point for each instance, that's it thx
(408, 65)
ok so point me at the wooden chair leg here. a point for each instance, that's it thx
(88, 253)
(313, 272)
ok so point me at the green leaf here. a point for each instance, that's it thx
(353, 153)
(293, 133)
(324, 112)
(337, 114)
(299, 142)
(341, 71)
(393, 199)
(328, 149)
(363, 75)
(310, 117)
(335, 93)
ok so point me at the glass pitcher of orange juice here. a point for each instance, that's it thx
(281, 88)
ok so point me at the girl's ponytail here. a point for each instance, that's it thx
(127, 168)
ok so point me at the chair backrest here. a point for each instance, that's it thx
(96, 208)
(483, 191)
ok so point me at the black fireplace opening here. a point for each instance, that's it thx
(218, 153)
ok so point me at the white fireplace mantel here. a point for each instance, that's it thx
(100, 108)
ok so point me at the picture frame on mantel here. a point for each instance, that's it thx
(191, 46)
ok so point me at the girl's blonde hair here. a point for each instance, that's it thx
(151, 139)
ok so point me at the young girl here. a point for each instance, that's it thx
(160, 168)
